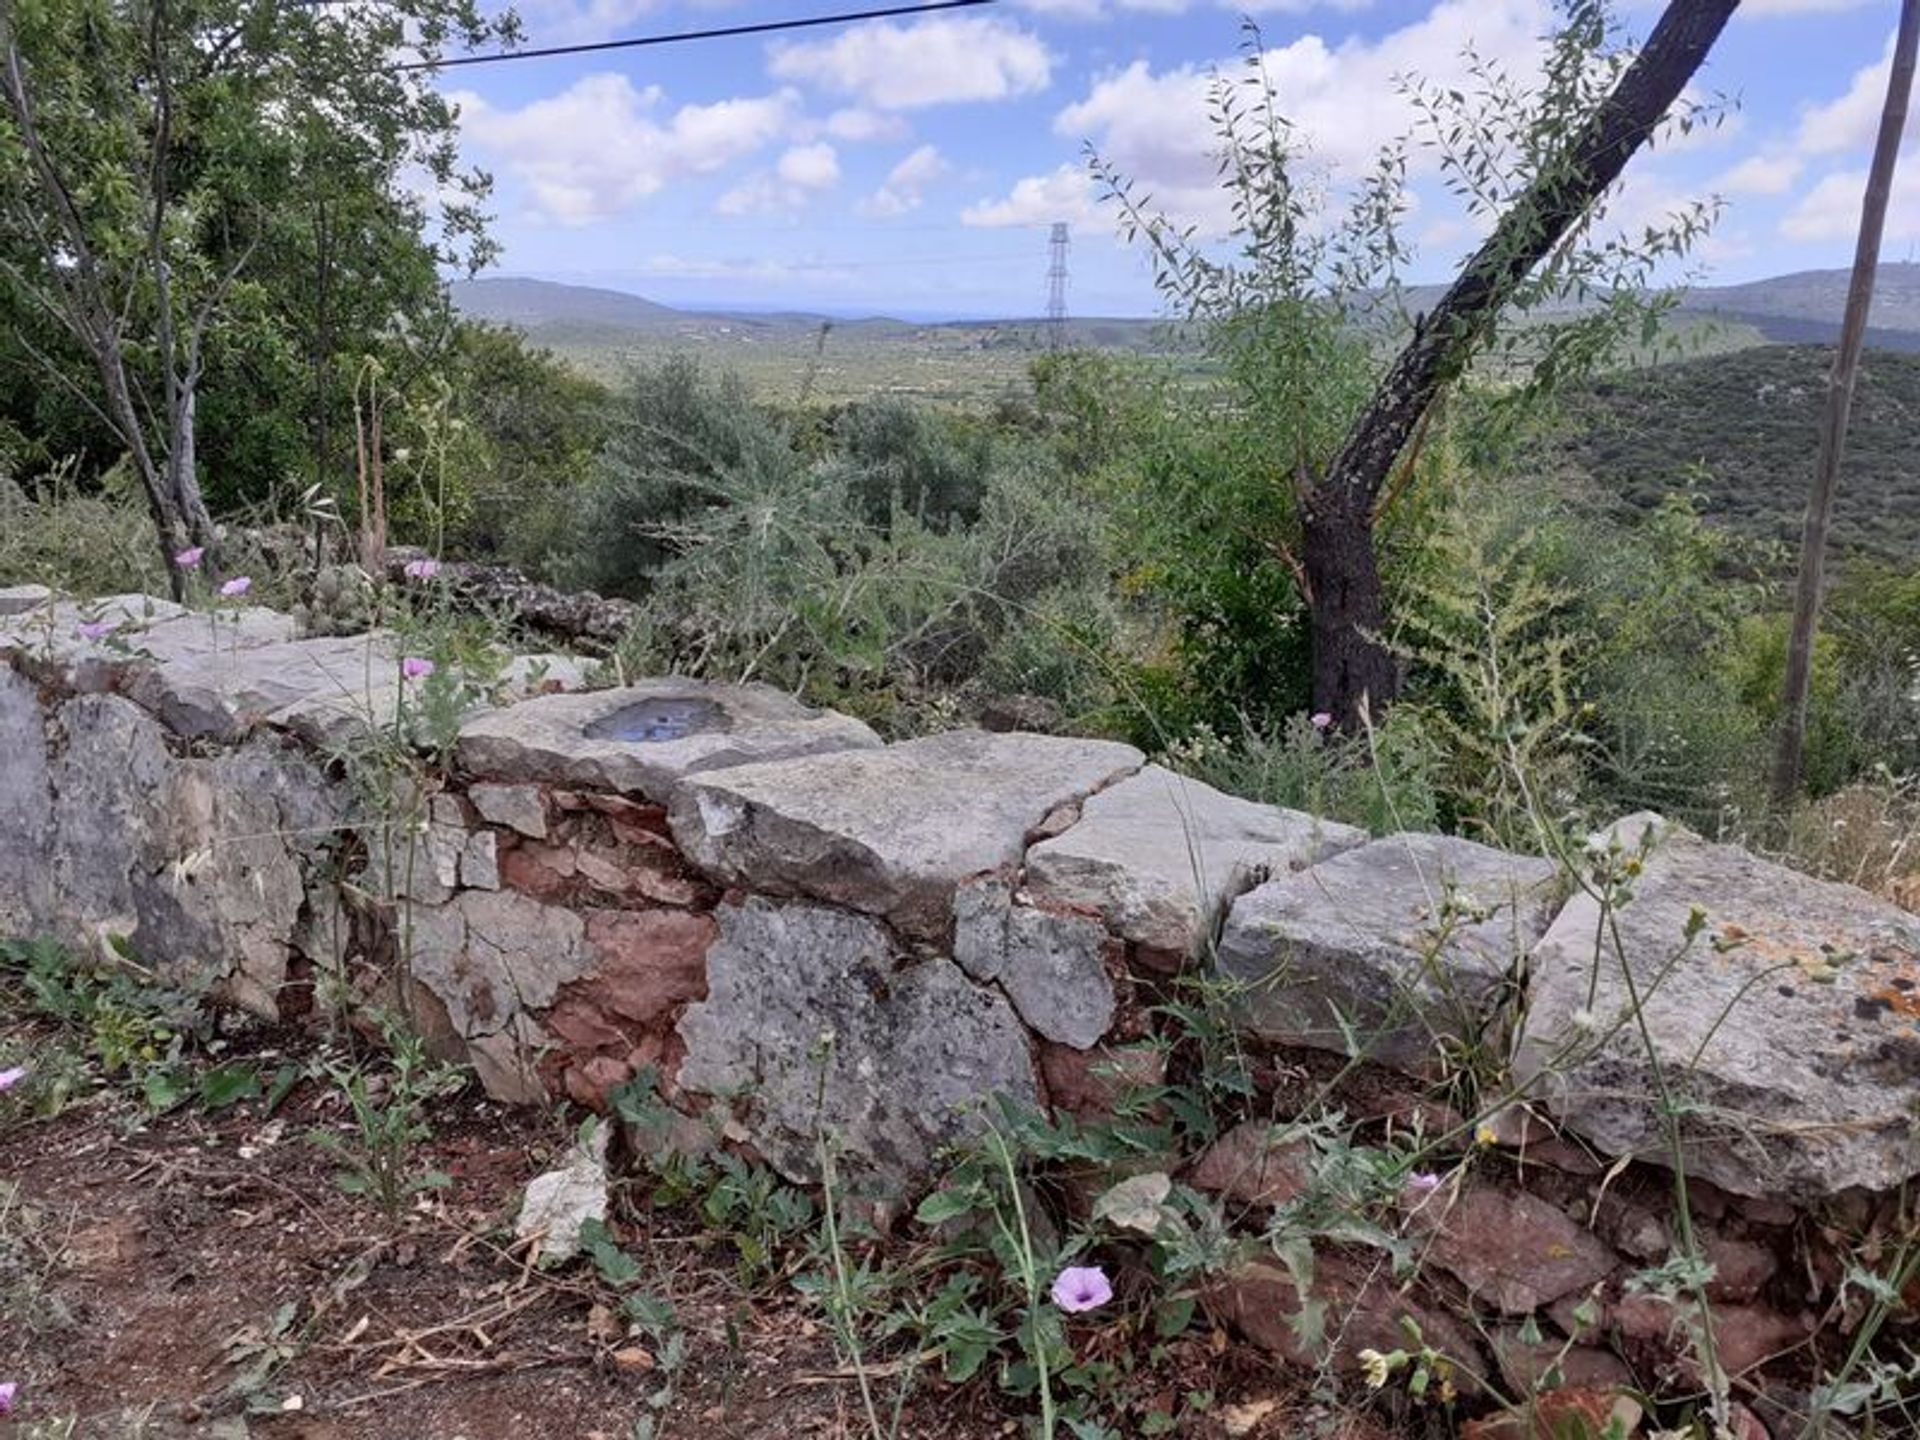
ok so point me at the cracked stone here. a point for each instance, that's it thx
(1394, 949)
(816, 1030)
(888, 832)
(1158, 856)
(1788, 1025)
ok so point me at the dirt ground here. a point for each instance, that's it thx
(198, 1274)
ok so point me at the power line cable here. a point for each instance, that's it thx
(764, 27)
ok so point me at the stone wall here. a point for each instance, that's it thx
(800, 930)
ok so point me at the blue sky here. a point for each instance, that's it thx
(913, 166)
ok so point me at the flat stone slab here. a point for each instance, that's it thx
(1158, 856)
(1787, 1026)
(889, 832)
(1389, 950)
(17, 599)
(309, 686)
(325, 689)
(92, 646)
(815, 1032)
(643, 739)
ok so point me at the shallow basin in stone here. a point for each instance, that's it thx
(665, 717)
(640, 740)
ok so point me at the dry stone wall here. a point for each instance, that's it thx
(800, 931)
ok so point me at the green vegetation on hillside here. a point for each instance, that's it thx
(1740, 432)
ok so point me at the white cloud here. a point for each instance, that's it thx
(1760, 175)
(802, 172)
(930, 62)
(600, 147)
(560, 22)
(811, 167)
(904, 183)
(1066, 194)
(1851, 121)
(1831, 210)
(1065, 9)
(858, 127)
(1154, 126)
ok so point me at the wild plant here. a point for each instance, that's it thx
(386, 1098)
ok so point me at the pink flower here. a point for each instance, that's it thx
(1082, 1287)
(238, 585)
(415, 668)
(1425, 1183)
(11, 1078)
(97, 629)
(1321, 720)
(188, 558)
(422, 569)
(8, 1389)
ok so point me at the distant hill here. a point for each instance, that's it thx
(529, 304)
(1818, 297)
(1742, 430)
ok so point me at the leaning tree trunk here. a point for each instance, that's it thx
(1356, 668)
(1790, 758)
(1348, 611)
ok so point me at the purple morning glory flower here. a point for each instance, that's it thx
(97, 629)
(11, 1078)
(189, 558)
(421, 569)
(416, 668)
(8, 1389)
(1321, 720)
(238, 585)
(1082, 1287)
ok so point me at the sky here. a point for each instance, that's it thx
(914, 166)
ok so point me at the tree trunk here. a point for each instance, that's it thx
(1444, 342)
(1354, 674)
(1790, 758)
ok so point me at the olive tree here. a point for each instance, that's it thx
(1334, 377)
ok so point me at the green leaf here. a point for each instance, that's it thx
(944, 1205)
(164, 1089)
(284, 1080)
(1172, 1316)
(228, 1085)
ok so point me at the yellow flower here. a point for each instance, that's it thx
(1377, 1368)
(1486, 1135)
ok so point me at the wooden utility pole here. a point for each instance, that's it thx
(1789, 760)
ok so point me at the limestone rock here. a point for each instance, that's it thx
(641, 739)
(517, 807)
(209, 867)
(560, 1202)
(19, 599)
(889, 832)
(321, 688)
(818, 1031)
(26, 809)
(491, 955)
(1789, 1027)
(480, 862)
(1405, 942)
(1158, 856)
(1052, 963)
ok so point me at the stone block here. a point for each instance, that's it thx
(888, 832)
(1390, 950)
